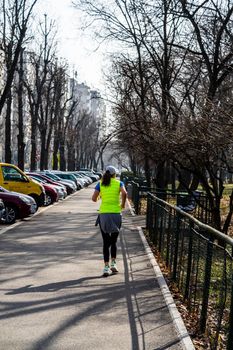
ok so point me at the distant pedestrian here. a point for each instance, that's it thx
(113, 196)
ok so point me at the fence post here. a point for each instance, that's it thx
(177, 237)
(168, 238)
(155, 222)
(190, 255)
(206, 287)
(148, 211)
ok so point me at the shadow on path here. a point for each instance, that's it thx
(51, 287)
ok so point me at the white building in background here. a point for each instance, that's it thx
(83, 95)
(98, 111)
(90, 102)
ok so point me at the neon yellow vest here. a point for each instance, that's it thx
(110, 196)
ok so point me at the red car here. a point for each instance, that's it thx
(47, 180)
(17, 205)
(51, 195)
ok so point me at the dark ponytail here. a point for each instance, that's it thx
(106, 179)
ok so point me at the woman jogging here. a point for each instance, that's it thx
(109, 219)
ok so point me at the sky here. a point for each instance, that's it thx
(79, 48)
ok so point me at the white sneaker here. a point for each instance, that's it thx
(114, 268)
(106, 271)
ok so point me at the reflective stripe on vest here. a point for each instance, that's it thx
(110, 196)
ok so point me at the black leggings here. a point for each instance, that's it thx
(109, 240)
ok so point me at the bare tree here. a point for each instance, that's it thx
(39, 84)
(16, 15)
(21, 98)
(66, 125)
(64, 106)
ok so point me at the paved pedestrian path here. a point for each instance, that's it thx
(52, 294)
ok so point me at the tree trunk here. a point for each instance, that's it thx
(55, 153)
(62, 156)
(8, 154)
(70, 158)
(95, 165)
(47, 148)
(21, 144)
(21, 154)
(42, 149)
(160, 176)
(102, 162)
(173, 178)
(184, 178)
(160, 180)
(195, 182)
(46, 158)
(147, 171)
(132, 164)
(33, 165)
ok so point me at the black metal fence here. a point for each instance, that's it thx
(196, 202)
(200, 267)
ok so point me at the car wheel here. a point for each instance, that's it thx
(36, 198)
(10, 214)
(48, 199)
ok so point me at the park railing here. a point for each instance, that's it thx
(199, 262)
(196, 202)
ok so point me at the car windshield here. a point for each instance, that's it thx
(54, 177)
(38, 179)
(2, 189)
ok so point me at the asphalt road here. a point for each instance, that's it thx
(52, 294)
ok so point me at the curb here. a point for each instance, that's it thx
(181, 329)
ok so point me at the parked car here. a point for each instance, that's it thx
(60, 188)
(87, 178)
(70, 185)
(99, 173)
(93, 176)
(68, 176)
(51, 194)
(14, 179)
(2, 210)
(17, 205)
(79, 178)
(85, 169)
